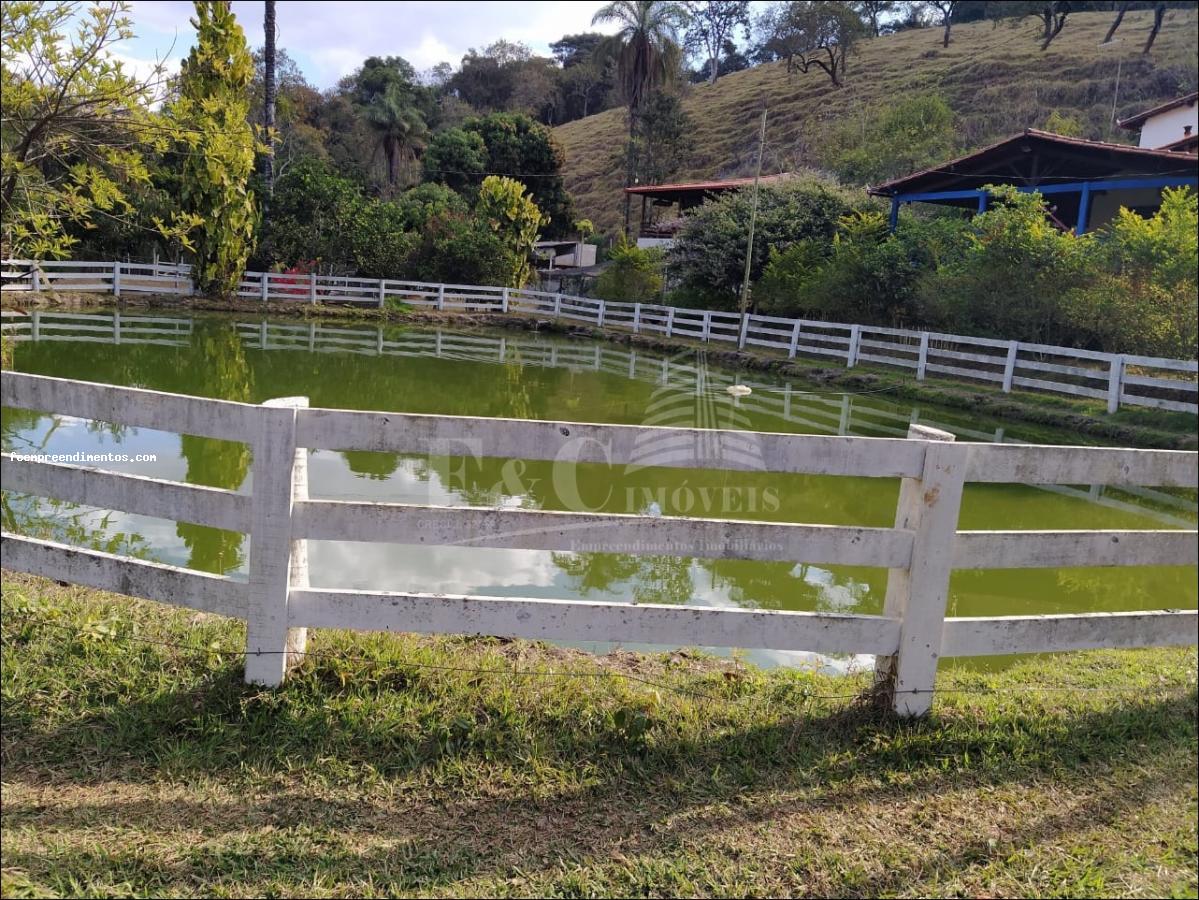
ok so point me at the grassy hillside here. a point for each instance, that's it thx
(995, 78)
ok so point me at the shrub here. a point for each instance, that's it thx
(634, 274)
(709, 254)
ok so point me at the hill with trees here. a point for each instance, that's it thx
(904, 100)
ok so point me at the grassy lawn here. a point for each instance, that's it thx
(136, 763)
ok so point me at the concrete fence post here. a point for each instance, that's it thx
(855, 346)
(669, 321)
(312, 287)
(35, 278)
(266, 286)
(744, 331)
(794, 348)
(922, 360)
(707, 336)
(600, 316)
(1115, 383)
(557, 305)
(636, 318)
(116, 327)
(116, 279)
(1009, 366)
(277, 563)
(918, 595)
(382, 292)
(440, 297)
(504, 300)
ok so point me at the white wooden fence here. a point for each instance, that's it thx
(921, 550)
(1117, 379)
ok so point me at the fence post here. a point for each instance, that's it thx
(440, 297)
(116, 327)
(794, 348)
(600, 321)
(504, 301)
(669, 321)
(557, 305)
(266, 286)
(636, 318)
(116, 279)
(1009, 367)
(917, 596)
(312, 287)
(279, 478)
(922, 362)
(744, 331)
(1115, 383)
(382, 292)
(36, 282)
(35, 325)
(855, 346)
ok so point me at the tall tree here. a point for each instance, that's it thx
(944, 10)
(77, 128)
(872, 12)
(213, 116)
(399, 129)
(268, 105)
(647, 51)
(807, 33)
(711, 26)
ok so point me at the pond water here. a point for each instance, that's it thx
(525, 375)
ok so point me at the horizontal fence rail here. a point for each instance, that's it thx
(921, 550)
(1117, 379)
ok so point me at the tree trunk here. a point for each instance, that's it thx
(945, 42)
(714, 64)
(1159, 13)
(268, 114)
(1111, 32)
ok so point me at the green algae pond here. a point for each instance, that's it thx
(522, 374)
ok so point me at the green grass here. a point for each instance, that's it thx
(994, 77)
(393, 766)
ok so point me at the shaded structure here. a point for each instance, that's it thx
(1084, 182)
(1173, 125)
(663, 205)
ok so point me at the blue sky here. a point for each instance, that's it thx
(329, 40)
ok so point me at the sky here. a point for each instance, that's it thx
(330, 39)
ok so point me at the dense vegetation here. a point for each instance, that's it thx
(453, 174)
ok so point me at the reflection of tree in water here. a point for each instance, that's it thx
(218, 353)
(371, 464)
(655, 579)
(48, 519)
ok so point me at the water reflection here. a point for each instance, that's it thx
(532, 376)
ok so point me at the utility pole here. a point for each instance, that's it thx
(753, 218)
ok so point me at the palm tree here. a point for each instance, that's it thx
(647, 52)
(399, 128)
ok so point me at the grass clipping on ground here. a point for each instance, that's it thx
(136, 763)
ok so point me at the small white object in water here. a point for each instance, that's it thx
(738, 390)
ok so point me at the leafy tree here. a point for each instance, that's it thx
(586, 80)
(420, 205)
(515, 218)
(708, 256)
(664, 141)
(1068, 125)
(944, 10)
(647, 52)
(212, 111)
(712, 24)
(456, 157)
(634, 274)
(872, 12)
(518, 147)
(460, 248)
(899, 138)
(807, 33)
(76, 128)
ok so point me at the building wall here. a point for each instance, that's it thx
(1170, 125)
(1105, 206)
